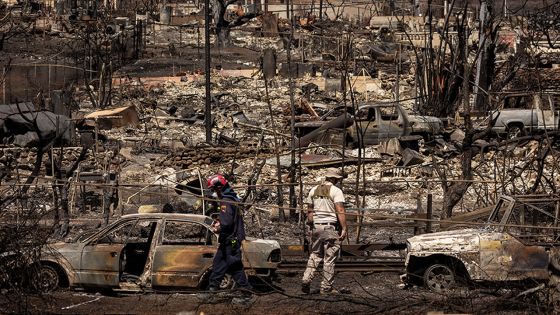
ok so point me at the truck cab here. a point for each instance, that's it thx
(377, 122)
(526, 113)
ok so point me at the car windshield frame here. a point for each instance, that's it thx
(106, 229)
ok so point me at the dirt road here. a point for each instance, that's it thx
(370, 294)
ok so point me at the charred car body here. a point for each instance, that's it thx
(148, 252)
(381, 122)
(526, 113)
(372, 124)
(504, 250)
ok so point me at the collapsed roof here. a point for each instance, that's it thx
(25, 126)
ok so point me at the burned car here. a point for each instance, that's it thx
(152, 251)
(524, 114)
(372, 124)
(382, 121)
(506, 249)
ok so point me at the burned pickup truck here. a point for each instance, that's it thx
(152, 251)
(517, 243)
(525, 114)
(371, 124)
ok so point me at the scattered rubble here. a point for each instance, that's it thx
(108, 117)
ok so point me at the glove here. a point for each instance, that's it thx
(215, 226)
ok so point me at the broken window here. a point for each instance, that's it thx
(186, 233)
(389, 114)
(367, 114)
(518, 101)
(137, 231)
(504, 205)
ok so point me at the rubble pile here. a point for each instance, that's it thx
(8, 158)
(168, 95)
(25, 158)
(199, 156)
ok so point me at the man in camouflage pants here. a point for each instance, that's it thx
(325, 203)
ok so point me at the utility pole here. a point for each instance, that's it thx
(397, 83)
(484, 46)
(292, 191)
(4, 78)
(208, 105)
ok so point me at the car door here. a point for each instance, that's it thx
(504, 258)
(548, 115)
(100, 257)
(183, 254)
(366, 123)
(390, 124)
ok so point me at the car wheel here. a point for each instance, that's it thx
(227, 282)
(515, 131)
(47, 279)
(439, 278)
(555, 258)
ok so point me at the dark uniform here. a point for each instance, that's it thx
(228, 256)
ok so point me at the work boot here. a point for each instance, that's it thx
(329, 291)
(208, 296)
(243, 299)
(306, 287)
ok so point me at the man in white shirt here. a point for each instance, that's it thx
(325, 204)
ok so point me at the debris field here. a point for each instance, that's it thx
(442, 115)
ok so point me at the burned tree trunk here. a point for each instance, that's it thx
(223, 24)
(62, 187)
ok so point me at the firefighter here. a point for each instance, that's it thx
(231, 230)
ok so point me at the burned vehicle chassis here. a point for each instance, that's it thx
(505, 250)
(148, 252)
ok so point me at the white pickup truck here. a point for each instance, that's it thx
(524, 114)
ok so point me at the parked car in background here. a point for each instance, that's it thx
(526, 113)
(151, 251)
(382, 121)
(373, 123)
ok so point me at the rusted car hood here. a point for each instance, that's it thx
(455, 241)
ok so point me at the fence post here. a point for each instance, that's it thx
(429, 214)
(417, 214)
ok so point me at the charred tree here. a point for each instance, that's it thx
(446, 72)
(224, 23)
(10, 26)
(61, 187)
(544, 25)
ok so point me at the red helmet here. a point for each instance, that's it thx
(216, 181)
